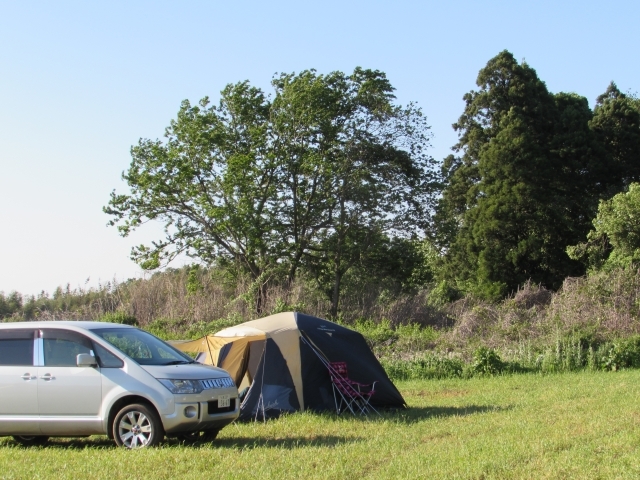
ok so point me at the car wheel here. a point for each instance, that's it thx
(30, 441)
(194, 437)
(137, 426)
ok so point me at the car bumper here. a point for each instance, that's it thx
(199, 412)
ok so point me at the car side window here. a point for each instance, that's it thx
(61, 347)
(106, 359)
(16, 347)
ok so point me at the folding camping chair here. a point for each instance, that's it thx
(347, 394)
(353, 396)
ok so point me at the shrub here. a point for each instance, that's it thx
(429, 366)
(375, 333)
(621, 354)
(486, 361)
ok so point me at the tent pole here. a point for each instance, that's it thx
(209, 348)
(261, 398)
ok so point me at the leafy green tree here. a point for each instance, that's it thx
(374, 264)
(10, 304)
(514, 196)
(374, 196)
(357, 170)
(407, 263)
(211, 183)
(616, 130)
(265, 183)
(615, 238)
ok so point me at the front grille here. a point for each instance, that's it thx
(224, 382)
(213, 407)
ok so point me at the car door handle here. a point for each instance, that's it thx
(47, 376)
(28, 376)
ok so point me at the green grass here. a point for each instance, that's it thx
(574, 425)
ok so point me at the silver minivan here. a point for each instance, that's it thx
(68, 379)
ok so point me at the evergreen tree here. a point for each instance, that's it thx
(514, 197)
(616, 126)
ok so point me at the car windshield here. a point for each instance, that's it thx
(143, 347)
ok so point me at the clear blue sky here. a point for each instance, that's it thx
(80, 82)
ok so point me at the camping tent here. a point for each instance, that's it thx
(278, 359)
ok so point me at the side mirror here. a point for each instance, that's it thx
(86, 360)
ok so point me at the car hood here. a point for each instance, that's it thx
(192, 371)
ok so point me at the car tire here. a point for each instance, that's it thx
(199, 437)
(31, 440)
(137, 426)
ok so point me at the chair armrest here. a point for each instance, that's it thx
(368, 387)
(353, 382)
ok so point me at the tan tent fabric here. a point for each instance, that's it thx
(210, 345)
(234, 362)
(281, 328)
(199, 345)
(272, 323)
(289, 344)
(241, 330)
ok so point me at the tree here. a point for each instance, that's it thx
(513, 198)
(615, 238)
(10, 304)
(379, 190)
(616, 126)
(357, 169)
(371, 264)
(266, 183)
(210, 183)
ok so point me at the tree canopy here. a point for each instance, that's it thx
(615, 238)
(514, 197)
(329, 176)
(616, 128)
(308, 175)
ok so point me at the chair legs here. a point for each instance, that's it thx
(345, 402)
(342, 402)
(356, 402)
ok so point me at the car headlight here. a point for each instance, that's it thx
(181, 386)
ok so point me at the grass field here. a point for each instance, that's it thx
(580, 425)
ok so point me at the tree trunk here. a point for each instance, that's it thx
(335, 298)
(337, 279)
(261, 298)
(260, 285)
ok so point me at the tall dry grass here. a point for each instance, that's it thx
(601, 306)
(167, 296)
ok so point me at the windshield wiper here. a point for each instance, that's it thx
(179, 362)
